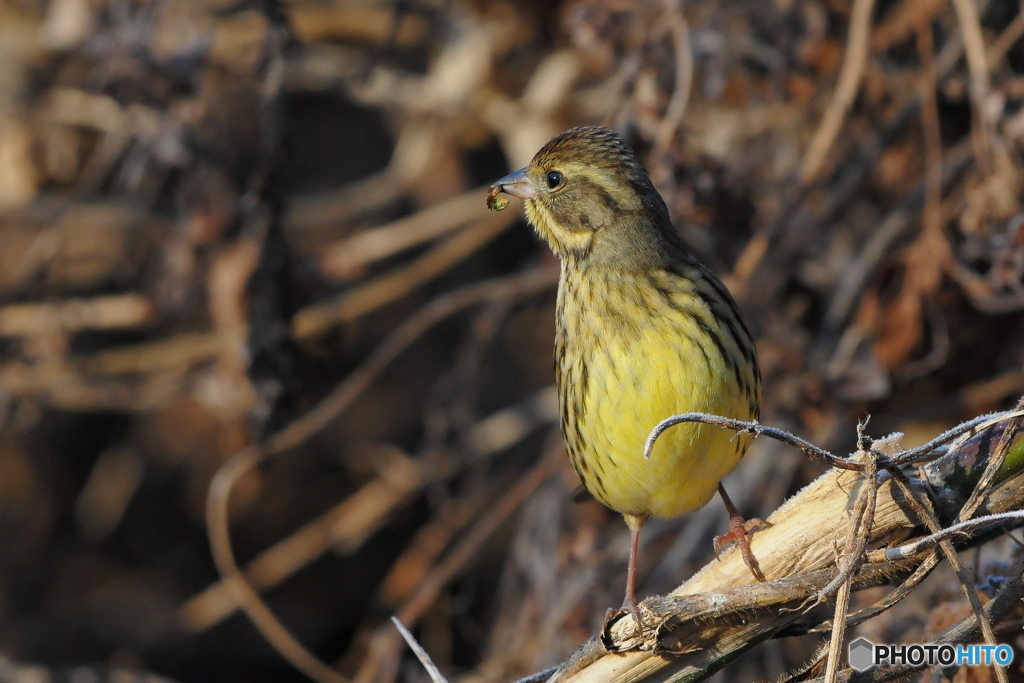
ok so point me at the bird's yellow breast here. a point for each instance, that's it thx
(627, 362)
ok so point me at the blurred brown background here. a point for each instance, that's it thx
(213, 215)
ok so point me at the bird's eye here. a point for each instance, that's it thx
(555, 178)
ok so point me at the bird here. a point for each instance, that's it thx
(643, 331)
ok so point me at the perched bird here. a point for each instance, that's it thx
(643, 332)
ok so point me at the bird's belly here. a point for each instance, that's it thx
(626, 399)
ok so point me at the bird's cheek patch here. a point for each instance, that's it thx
(584, 223)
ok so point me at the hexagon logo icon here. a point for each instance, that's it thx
(862, 654)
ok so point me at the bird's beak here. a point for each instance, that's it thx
(516, 184)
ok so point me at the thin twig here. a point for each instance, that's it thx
(889, 601)
(1011, 34)
(928, 542)
(851, 560)
(116, 311)
(923, 508)
(979, 423)
(752, 427)
(421, 654)
(343, 258)
(820, 454)
(995, 461)
(977, 65)
(248, 599)
(396, 283)
(846, 90)
(669, 124)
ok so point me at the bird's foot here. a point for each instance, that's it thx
(613, 615)
(740, 531)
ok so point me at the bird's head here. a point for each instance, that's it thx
(587, 194)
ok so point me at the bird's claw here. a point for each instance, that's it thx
(613, 615)
(740, 531)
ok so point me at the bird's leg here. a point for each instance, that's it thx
(634, 522)
(629, 605)
(740, 531)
